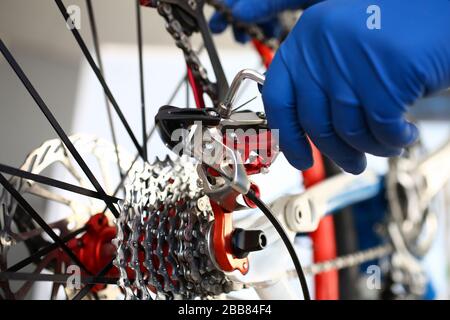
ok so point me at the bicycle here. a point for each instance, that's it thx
(175, 235)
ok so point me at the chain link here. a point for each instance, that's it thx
(182, 40)
(348, 261)
(253, 30)
(342, 262)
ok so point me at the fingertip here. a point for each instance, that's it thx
(280, 105)
(218, 23)
(277, 90)
(397, 133)
(271, 28)
(354, 166)
(413, 133)
(240, 36)
(300, 163)
(257, 11)
(390, 153)
(260, 87)
(242, 12)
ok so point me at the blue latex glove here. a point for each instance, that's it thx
(262, 12)
(348, 87)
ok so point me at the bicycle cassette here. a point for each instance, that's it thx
(162, 235)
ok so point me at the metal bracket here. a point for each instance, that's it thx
(303, 212)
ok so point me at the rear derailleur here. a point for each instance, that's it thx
(228, 147)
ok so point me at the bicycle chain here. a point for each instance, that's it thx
(253, 30)
(350, 260)
(342, 262)
(164, 222)
(182, 40)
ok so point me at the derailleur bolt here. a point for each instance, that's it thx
(261, 115)
(245, 241)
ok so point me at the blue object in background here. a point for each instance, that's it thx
(430, 293)
(367, 215)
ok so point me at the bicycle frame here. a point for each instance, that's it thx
(405, 193)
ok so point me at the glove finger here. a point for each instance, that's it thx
(218, 23)
(240, 35)
(349, 120)
(271, 28)
(258, 11)
(395, 132)
(384, 109)
(351, 125)
(314, 114)
(280, 105)
(386, 118)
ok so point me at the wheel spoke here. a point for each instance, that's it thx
(153, 129)
(188, 91)
(177, 88)
(73, 171)
(182, 81)
(55, 285)
(21, 293)
(244, 104)
(27, 235)
(100, 78)
(41, 192)
(32, 213)
(95, 39)
(56, 278)
(56, 126)
(44, 251)
(54, 183)
(141, 78)
(121, 182)
(87, 288)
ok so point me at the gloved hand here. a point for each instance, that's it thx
(262, 12)
(348, 86)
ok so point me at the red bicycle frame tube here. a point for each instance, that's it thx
(264, 51)
(324, 239)
(196, 89)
